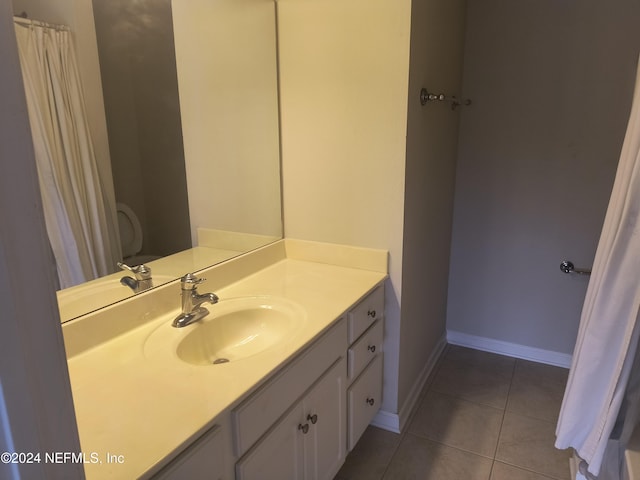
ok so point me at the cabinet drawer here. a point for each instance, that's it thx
(365, 349)
(364, 399)
(253, 417)
(370, 309)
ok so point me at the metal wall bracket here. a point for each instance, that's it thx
(426, 97)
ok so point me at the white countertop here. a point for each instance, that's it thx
(144, 405)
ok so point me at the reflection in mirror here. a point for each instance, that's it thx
(190, 105)
(140, 88)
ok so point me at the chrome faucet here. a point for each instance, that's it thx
(192, 311)
(142, 280)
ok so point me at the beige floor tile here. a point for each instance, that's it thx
(458, 423)
(476, 376)
(541, 372)
(537, 390)
(371, 456)
(528, 443)
(421, 459)
(469, 357)
(503, 471)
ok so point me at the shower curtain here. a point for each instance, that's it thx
(599, 380)
(79, 224)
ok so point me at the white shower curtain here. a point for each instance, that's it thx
(79, 224)
(608, 334)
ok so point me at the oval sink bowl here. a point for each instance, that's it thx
(239, 328)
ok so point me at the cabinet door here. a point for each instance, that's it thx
(279, 454)
(204, 459)
(255, 416)
(325, 412)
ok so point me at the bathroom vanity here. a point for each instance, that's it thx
(289, 401)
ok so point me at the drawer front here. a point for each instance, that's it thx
(364, 400)
(365, 349)
(253, 417)
(365, 313)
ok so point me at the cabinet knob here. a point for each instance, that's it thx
(371, 348)
(312, 418)
(370, 401)
(304, 428)
(372, 313)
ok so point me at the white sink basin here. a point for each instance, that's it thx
(235, 329)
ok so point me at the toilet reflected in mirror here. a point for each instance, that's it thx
(131, 239)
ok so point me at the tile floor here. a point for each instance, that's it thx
(481, 416)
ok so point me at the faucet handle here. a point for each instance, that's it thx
(190, 281)
(142, 272)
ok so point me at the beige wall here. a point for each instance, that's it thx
(344, 77)
(365, 164)
(551, 84)
(227, 78)
(437, 44)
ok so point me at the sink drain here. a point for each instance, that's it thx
(218, 361)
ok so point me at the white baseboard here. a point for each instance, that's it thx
(387, 421)
(510, 349)
(395, 422)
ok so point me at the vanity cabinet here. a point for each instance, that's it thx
(203, 459)
(364, 393)
(294, 426)
(301, 422)
(309, 441)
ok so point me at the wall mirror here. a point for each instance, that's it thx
(189, 89)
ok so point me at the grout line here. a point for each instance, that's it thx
(504, 413)
(460, 449)
(466, 400)
(493, 463)
(423, 393)
(428, 387)
(520, 467)
(545, 420)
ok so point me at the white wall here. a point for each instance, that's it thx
(551, 84)
(344, 78)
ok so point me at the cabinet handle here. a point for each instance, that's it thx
(372, 313)
(370, 401)
(304, 428)
(371, 348)
(312, 418)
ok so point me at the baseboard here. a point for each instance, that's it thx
(510, 349)
(395, 422)
(387, 421)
